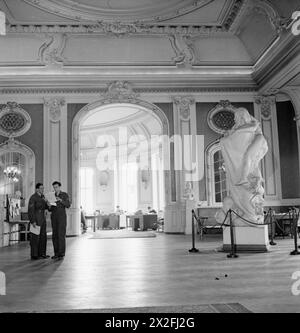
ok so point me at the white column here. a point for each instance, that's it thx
(265, 112)
(185, 125)
(55, 149)
(55, 142)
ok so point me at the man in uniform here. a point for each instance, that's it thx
(36, 214)
(59, 221)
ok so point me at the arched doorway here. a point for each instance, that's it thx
(102, 106)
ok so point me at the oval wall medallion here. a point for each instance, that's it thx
(14, 120)
(221, 118)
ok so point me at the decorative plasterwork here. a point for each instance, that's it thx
(120, 27)
(119, 91)
(14, 120)
(183, 103)
(141, 12)
(221, 118)
(184, 49)
(265, 103)
(265, 8)
(54, 107)
(51, 51)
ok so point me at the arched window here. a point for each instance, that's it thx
(15, 154)
(217, 188)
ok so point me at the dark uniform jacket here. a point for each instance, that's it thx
(61, 205)
(36, 209)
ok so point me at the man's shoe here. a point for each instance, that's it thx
(54, 257)
(44, 256)
(61, 257)
(34, 258)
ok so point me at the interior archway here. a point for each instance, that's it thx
(145, 126)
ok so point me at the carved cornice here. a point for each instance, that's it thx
(233, 14)
(117, 29)
(122, 28)
(43, 91)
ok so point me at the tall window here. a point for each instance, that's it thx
(158, 196)
(87, 189)
(219, 177)
(216, 176)
(128, 187)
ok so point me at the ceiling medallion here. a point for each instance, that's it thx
(221, 118)
(14, 120)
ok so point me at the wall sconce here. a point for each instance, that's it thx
(104, 179)
(145, 178)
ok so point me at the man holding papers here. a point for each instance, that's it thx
(59, 220)
(36, 214)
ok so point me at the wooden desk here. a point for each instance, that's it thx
(143, 222)
(13, 223)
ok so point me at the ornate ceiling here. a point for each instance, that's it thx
(129, 10)
(156, 44)
(191, 12)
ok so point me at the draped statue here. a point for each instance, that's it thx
(243, 147)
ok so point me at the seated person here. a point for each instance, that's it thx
(151, 211)
(119, 211)
(83, 221)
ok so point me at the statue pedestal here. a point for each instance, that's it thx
(247, 239)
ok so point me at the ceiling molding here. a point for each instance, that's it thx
(116, 29)
(119, 27)
(46, 91)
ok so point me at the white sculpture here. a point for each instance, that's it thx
(243, 147)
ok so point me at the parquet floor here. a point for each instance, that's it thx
(144, 272)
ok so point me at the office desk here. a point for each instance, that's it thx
(142, 222)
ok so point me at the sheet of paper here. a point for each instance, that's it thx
(35, 230)
(51, 198)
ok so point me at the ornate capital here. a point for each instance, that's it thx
(120, 91)
(54, 107)
(183, 104)
(265, 103)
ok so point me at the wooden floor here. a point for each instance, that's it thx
(143, 272)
